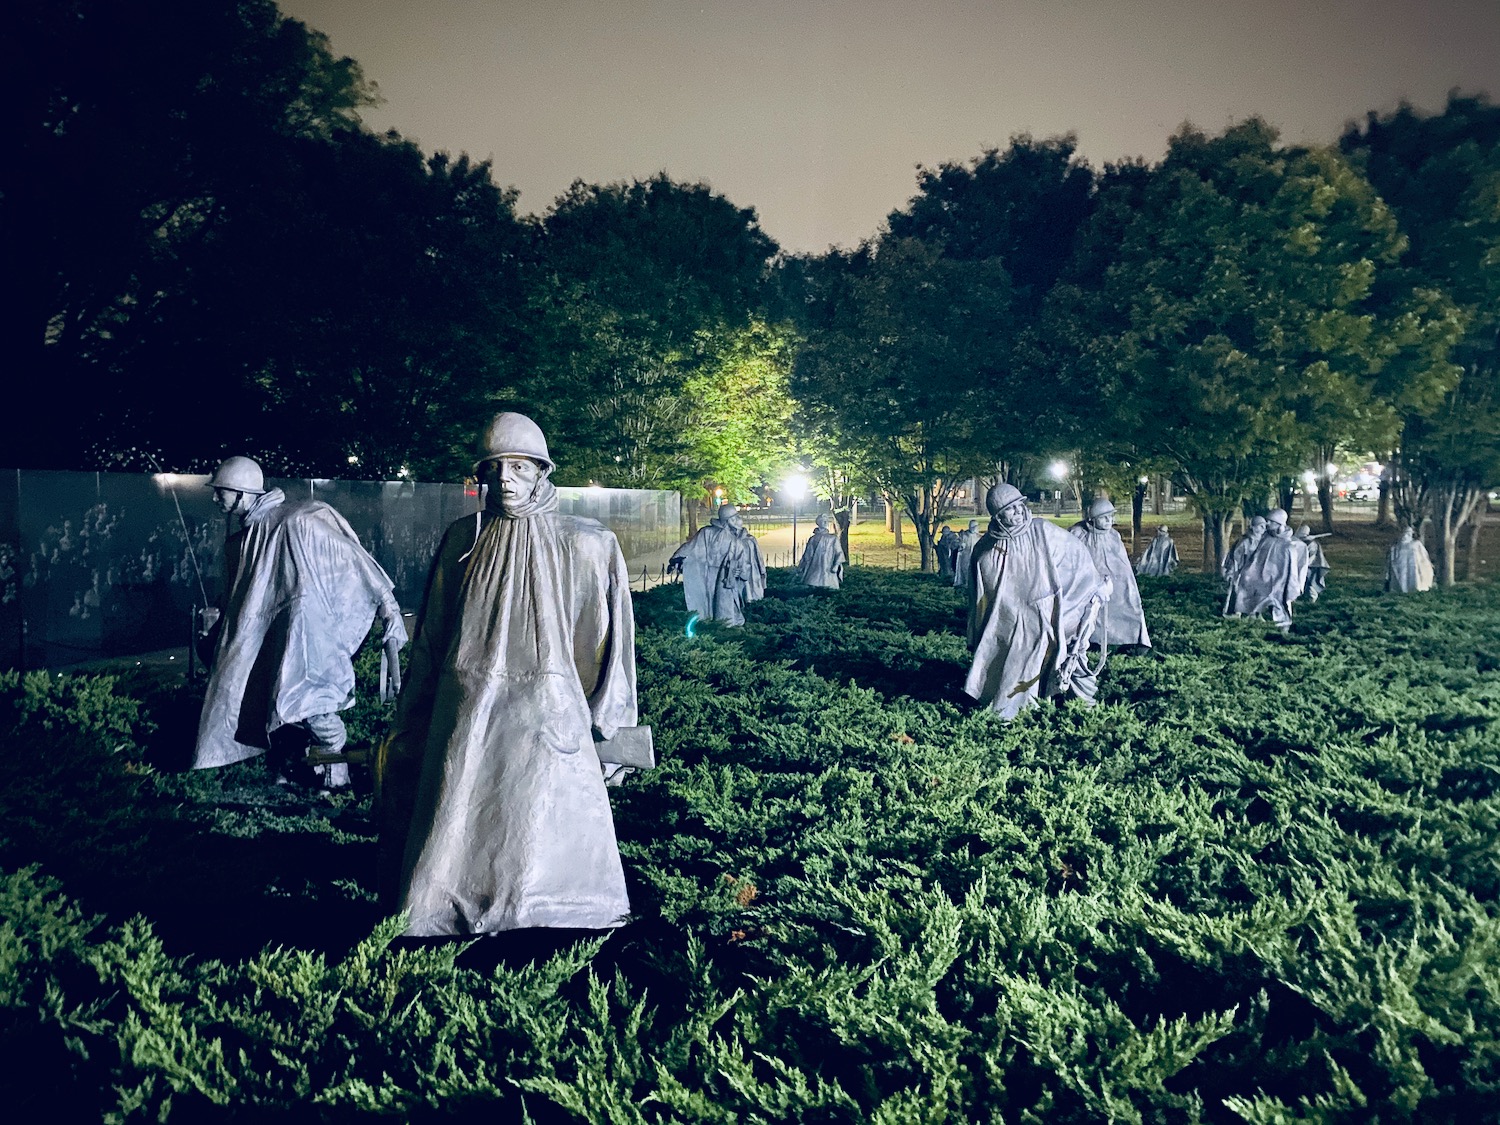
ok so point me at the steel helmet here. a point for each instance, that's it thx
(513, 435)
(239, 474)
(1276, 516)
(1002, 496)
(727, 510)
(1100, 508)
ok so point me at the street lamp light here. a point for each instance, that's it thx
(795, 488)
(1058, 471)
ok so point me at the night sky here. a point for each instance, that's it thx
(816, 112)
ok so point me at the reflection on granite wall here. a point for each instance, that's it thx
(97, 565)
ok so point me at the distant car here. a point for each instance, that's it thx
(1364, 492)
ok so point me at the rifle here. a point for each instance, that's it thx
(1077, 660)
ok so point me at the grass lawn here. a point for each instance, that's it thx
(1259, 882)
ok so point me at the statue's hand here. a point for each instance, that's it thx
(208, 617)
(674, 565)
(392, 647)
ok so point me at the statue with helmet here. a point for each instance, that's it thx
(300, 595)
(1159, 559)
(822, 562)
(1237, 557)
(1408, 567)
(1317, 562)
(1034, 602)
(722, 568)
(963, 554)
(947, 551)
(1124, 620)
(1272, 576)
(493, 807)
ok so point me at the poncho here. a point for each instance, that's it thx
(525, 650)
(1272, 578)
(1032, 592)
(301, 594)
(720, 570)
(947, 548)
(1123, 621)
(822, 562)
(963, 557)
(1408, 568)
(1160, 557)
(1317, 564)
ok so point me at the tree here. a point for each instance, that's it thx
(739, 435)
(642, 287)
(133, 125)
(899, 347)
(1245, 317)
(1440, 173)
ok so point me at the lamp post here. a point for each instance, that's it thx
(1058, 470)
(795, 488)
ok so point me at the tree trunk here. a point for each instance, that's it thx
(690, 509)
(1215, 524)
(1325, 501)
(890, 516)
(1286, 495)
(1383, 517)
(1453, 503)
(844, 517)
(1471, 552)
(1137, 506)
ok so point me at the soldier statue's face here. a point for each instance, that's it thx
(1104, 521)
(511, 480)
(1013, 516)
(231, 500)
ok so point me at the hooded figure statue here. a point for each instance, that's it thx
(963, 557)
(300, 595)
(1160, 557)
(823, 558)
(1124, 621)
(524, 659)
(721, 568)
(1408, 568)
(947, 548)
(1273, 577)
(1237, 556)
(1032, 609)
(1317, 563)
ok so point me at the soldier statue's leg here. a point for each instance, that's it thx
(331, 738)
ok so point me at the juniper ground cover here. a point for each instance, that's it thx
(1257, 883)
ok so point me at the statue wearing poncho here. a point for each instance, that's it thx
(1317, 563)
(822, 561)
(1408, 568)
(1125, 621)
(963, 557)
(947, 549)
(721, 568)
(1274, 575)
(1160, 557)
(301, 594)
(525, 653)
(1235, 560)
(1035, 596)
